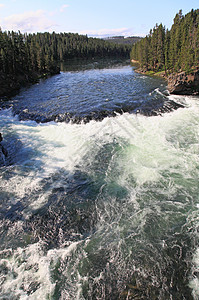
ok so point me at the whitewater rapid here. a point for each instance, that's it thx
(144, 172)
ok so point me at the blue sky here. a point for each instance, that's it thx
(94, 18)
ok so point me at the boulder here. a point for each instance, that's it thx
(2, 157)
(184, 83)
(3, 153)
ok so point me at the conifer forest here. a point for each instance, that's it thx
(171, 50)
(25, 57)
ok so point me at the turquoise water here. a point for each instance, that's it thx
(104, 209)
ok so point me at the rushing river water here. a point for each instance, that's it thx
(105, 204)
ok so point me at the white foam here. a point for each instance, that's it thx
(194, 282)
(153, 144)
(25, 267)
(29, 271)
(147, 148)
(159, 92)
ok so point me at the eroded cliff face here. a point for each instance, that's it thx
(184, 84)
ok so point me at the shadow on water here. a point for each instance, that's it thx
(23, 162)
(127, 252)
(68, 212)
(134, 242)
(79, 65)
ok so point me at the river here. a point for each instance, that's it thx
(99, 196)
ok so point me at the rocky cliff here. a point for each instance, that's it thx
(183, 83)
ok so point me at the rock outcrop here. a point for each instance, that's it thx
(3, 153)
(2, 157)
(183, 83)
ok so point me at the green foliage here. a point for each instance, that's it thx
(172, 51)
(41, 52)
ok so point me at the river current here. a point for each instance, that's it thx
(99, 195)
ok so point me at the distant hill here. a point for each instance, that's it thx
(123, 40)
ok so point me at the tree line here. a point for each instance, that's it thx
(26, 57)
(41, 52)
(171, 50)
(122, 40)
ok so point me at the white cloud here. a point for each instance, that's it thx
(2, 5)
(64, 7)
(101, 33)
(31, 21)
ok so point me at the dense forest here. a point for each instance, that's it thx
(25, 57)
(171, 50)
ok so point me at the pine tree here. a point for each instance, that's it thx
(172, 50)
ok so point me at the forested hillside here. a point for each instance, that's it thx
(122, 40)
(25, 57)
(171, 50)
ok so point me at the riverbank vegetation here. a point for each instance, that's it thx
(26, 57)
(170, 51)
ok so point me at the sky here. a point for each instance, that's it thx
(100, 18)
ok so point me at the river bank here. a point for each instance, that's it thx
(122, 191)
(179, 83)
(11, 84)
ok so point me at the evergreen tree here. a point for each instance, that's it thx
(174, 50)
(24, 57)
